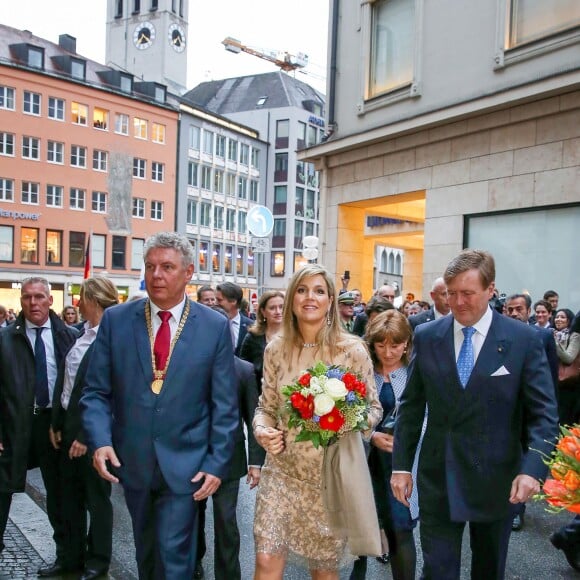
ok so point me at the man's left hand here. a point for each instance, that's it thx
(209, 487)
(77, 449)
(524, 487)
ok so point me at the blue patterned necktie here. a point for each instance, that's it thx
(41, 386)
(466, 358)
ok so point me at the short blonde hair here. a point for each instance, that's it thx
(100, 290)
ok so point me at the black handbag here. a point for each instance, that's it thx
(387, 425)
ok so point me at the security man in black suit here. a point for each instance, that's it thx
(30, 351)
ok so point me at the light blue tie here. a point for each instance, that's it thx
(466, 358)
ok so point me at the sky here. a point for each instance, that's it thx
(287, 25)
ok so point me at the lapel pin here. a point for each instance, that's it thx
(500, 349)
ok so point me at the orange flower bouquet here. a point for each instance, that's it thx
(563, 491)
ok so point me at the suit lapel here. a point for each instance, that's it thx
(142, 342)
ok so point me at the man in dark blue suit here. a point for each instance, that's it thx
(487, 384)
(229, 297)
(160, 408)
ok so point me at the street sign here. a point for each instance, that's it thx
(260, 221)
(260, 245)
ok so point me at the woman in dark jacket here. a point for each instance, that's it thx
(268, 323)
(82, 489)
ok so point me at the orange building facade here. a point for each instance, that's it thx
(83, 164)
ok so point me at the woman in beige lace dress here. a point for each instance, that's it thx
(290, 515)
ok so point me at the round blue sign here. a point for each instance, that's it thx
(260, 221)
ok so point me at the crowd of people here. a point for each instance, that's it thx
(178, 400)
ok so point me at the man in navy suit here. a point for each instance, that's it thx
(229, 297)
(487, 384)
(160, 408)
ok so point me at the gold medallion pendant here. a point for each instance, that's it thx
(157, 385)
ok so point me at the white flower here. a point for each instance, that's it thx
(323, 404)
(318, 383)
(336, 389)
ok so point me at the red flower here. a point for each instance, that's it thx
(349, 381)
(332, 421)
(361, 388)
(304, 380)
(297, 400)
(307, 409)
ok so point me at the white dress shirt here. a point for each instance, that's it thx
(478, 338)
(235, 328)
(176, 313)
(46, 335)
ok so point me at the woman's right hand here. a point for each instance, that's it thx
(272, 440)
(382, 441)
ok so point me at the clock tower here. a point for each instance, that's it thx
(148, 38)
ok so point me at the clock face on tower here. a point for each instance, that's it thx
(144, 35)
(176, 37)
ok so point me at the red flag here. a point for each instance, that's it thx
(87, 273)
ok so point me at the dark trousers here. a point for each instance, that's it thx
(42, 454)
(441, 544)
(164, 529)
(226, 532)
(84, 490)
(571, 532)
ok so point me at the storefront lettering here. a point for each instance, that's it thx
(19, 215)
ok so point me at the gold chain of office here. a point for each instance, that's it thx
(159, 374)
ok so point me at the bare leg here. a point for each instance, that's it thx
(269, 566)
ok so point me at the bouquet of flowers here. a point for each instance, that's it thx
(325, 402)
(563, 491)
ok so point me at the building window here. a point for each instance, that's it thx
(242, 225)
(218, 217)
(7, 144)
(228, 262)
(309, 213)
(119, 249)
(192, 174)
(30, 192)
(191, 216)
(205, 214)
(100, 119)
(208, 142)
(76, 249)
(31, 148)
(54, 195)
(251, 263)
(138, 210)
(80, 113)
(280, 198)
(206, 177)
(31, 104)
(6, 244)
(139, 168)
(98, 243)
(299, 202)
(311, 136)
(203, 254)
(392, 45)
(299, 261)
(55, 152)
(100, 159)
(157, 210)
(194, 137)
(53, 248)
(281, 167)
(136, 6)
(77, 198)
(301, 139)
(118, 8)
(255, 159)
(244, 154)
(78, 156)
(279, 233)
(121, 124)
(240, 261)
(99, 202)
(35, 57)
(534, 19)
(230, 184)
(78, 68)
(157, 171)
(282, 133)
(158, 133)
(220, 146)
(231, 220)
(242, 188)
(298, 233)
(253, 190)
(56, 109)
(277, 267)
(300, 175)
(6, 189)
(218, 181)
(232, 150)
(139, 128)
(137, 253)
(312, 175)
(29, 245)
(7, 98)
(216, 258)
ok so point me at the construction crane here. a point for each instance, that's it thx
(284, 60)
